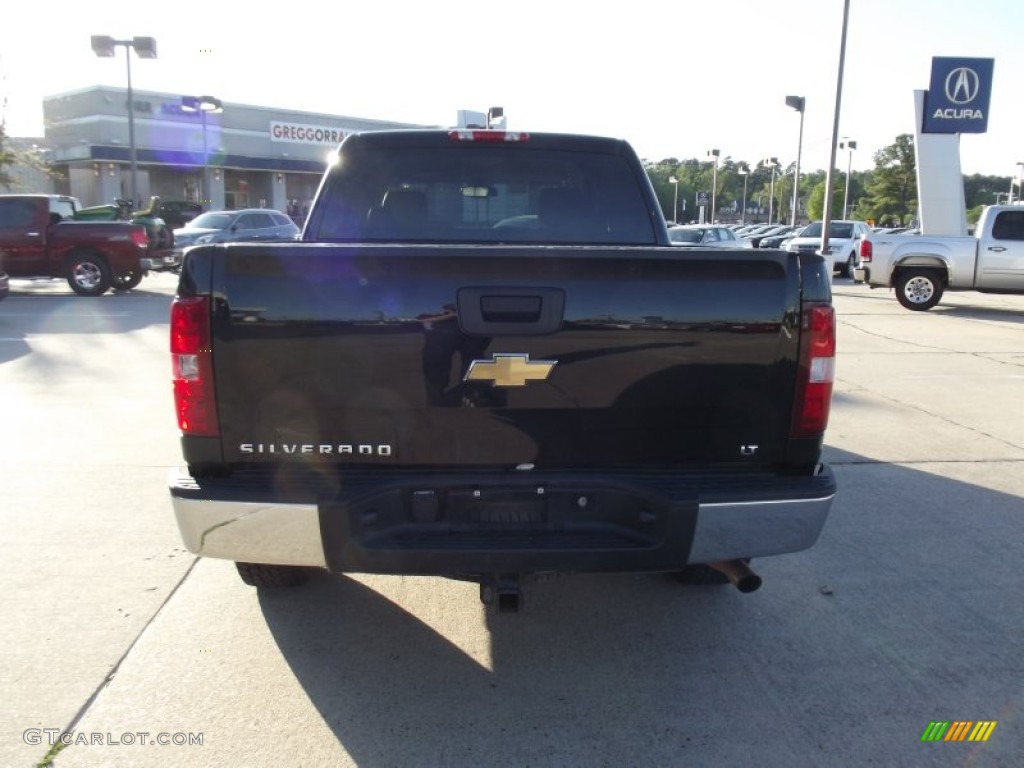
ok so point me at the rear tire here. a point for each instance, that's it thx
(129, 281)
(851, 265)
(276, 576)
(919, 289)
(88, 273)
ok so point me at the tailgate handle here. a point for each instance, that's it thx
(509, 310)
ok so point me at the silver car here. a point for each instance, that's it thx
(235, 226)
(706, 236)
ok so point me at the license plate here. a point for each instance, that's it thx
(497, 508)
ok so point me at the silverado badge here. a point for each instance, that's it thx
(509, 370)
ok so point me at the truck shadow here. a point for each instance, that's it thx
(907, 597)
(953, 304)
(973, 312)
(39, 308)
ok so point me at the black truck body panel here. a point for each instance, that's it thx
(662, 356)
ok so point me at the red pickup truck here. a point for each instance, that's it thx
(38, 239)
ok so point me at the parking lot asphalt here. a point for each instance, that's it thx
(905, 612)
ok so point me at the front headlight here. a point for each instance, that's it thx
(202, 239)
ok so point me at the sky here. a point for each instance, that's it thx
(675, 79)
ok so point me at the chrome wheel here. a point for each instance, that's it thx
(919, 290)
(87, 275)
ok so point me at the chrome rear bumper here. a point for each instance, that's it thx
(382, 531)
(165, 261)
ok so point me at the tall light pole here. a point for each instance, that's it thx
(827, 218)
(773, 163)
(145, 48)
(202, 105)
(1020, 181)
(744, 172)
(713, 154)
(798, 103)
(675, 199)
(848, 145)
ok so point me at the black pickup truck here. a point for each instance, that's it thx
(486, 361)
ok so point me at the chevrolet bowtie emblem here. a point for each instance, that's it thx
(509, 370)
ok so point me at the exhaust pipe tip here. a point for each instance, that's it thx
(748, 584)
(739, 574)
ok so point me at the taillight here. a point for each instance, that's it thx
(139, 237)
(474, 134)
(816, 371)
(192, 362)
(866, 251)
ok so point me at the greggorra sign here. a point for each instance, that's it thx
(299, 133)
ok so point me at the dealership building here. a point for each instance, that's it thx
(256, 157)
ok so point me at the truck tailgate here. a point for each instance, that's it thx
(495, 356)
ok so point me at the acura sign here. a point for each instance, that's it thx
(958, 98)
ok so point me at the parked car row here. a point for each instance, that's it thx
(845, 237)
(779, 240)
(41, 236)
(749, 236)
(757, 234)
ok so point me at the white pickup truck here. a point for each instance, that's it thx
(922, 268)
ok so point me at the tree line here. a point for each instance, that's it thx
(885, 195)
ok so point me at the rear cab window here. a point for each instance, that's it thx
(483, 194)
(65, 208)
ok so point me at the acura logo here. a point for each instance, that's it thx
(962, 85)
